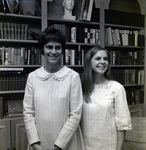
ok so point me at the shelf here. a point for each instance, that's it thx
(123, 47)
(136, 105)
(134, 85)
(73, 22)
(20, 43)
(123, 26)
(12, 92)
(82, 44)
(17, 67)
(127, 66)
(9, 16)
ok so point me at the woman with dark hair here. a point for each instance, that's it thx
(105, 111)
(53, 99)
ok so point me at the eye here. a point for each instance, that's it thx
(105, 58)
(49, 46)
(58, 47)
(98, 58)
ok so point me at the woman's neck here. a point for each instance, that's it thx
(53, 68)
(100, 79)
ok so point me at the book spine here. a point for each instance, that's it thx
(72, 57)
(1, 108)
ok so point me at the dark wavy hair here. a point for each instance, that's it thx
(88, 74)
(51, 34)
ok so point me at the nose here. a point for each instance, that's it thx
(102, 61)
(53, 51)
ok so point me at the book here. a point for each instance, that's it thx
(135, 37)
(141, 38)
(1, 108)
(15, 108)
(1, 6)
(109, 36)
(86, 10)
(6, 6)
(73, 34)
(89, 14)
(72, 57)
(8, 9)
(117, 37)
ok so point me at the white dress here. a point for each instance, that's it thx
(107, 113)
(52, 109)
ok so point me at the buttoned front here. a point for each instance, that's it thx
(52, 108)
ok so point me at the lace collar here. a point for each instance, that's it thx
(59, 75)
(103, 86)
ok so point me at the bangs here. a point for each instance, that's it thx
(53, 38)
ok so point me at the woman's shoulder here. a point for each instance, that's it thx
(115, 85)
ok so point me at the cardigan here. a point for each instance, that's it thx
(52, 109)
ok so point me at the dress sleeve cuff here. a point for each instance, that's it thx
(124, 127)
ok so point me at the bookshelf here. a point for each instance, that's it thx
(19, 55)
(128, 67)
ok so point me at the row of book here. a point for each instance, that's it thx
(127, 58)
(128, 76)
(74, 57)
(19, 56)
(135, 97)
(95, 15)
(10, 30)
(124, 18)
(124, 37)
(12, 81)
(79, 33)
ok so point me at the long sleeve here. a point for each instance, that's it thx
(71, 125)
(29, 112)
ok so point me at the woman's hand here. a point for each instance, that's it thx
(36, 146)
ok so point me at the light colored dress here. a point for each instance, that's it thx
(52, 109)
(107, 113)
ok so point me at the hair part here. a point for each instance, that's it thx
(50, 34)
(88, 74)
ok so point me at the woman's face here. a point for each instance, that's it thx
(99, 62)
(53, 52)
